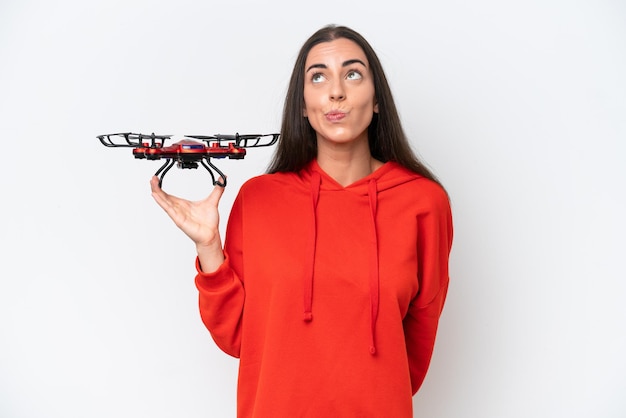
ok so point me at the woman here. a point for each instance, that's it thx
(335, 266)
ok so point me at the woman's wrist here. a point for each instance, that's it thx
(211, 256)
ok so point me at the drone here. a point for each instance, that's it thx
(191, 152)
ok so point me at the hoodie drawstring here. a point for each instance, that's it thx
(316, 181)
(374, 273)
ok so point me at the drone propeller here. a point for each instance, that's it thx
(132, 139)
(245, 141)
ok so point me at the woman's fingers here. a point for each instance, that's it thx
(162, 198)
(199, 220)
(215, 195)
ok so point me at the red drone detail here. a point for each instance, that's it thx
(189, 153)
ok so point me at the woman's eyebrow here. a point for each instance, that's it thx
(353, 61)
(344, 64)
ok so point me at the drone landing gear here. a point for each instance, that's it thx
(210, 167)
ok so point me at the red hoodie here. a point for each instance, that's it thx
(330, 296)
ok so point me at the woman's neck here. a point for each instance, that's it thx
(347, 164)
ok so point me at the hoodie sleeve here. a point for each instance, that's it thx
(433, 250)
(221, 293)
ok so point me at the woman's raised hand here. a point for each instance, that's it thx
(199, 220)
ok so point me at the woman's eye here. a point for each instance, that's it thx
(354, 75)
(317, 78)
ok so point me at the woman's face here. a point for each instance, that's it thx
(338, 92)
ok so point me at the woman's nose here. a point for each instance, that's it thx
(337, 91)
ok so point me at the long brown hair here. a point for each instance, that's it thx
(297, 145)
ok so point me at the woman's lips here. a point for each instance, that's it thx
(334, 116)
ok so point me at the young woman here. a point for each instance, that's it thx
(334, 270)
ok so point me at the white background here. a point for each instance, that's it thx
(518, 106)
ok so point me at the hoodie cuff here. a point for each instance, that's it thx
(217, 279)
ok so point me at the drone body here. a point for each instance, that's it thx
(189, 153)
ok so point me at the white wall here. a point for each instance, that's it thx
(519, 106)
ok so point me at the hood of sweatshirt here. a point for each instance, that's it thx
(389, 175)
